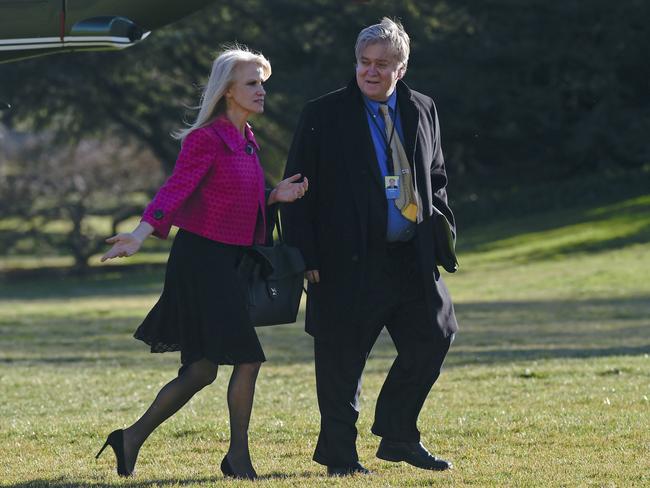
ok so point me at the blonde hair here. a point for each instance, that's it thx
(213, 102)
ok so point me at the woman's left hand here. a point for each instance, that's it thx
(289, 190)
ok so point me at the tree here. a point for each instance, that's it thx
(527, 92)
(142, 91)
(54, 194)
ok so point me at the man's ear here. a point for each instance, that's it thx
(401, 72)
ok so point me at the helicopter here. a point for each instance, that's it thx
(30, 28)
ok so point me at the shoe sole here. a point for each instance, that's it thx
(397, 459)
(352, 473)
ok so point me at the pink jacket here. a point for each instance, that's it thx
(216, 189)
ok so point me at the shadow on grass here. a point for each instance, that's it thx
(463, 358)
(213, 480)
(54, 361)
(132, 280)
(503, 332)
(63, 483)
(491, 333)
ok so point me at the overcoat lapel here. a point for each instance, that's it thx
(410, 120)
(357, 141)
(358, 153)
(410, 117)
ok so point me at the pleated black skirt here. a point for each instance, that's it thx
(202, 310)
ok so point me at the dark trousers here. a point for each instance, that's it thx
(394, 298)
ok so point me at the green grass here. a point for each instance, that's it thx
(547, 384)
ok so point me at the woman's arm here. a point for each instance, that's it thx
(197, 156)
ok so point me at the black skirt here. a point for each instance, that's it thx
(202, 310)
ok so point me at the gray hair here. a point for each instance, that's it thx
(213, 102)
(387, 31)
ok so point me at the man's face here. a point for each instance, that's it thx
(378, 72)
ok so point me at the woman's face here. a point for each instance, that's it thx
(246, 92)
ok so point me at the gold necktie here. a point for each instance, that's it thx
(407, 200)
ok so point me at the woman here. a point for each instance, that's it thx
(216, 197)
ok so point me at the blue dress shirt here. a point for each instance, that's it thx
(398, 227)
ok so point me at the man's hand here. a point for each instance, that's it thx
(312, 276)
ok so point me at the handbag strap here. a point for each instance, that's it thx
(278, 226)
(274, 222)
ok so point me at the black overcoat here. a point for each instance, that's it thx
(332, 147)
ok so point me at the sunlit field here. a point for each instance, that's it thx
(547, 384)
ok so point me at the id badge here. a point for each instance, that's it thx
(391, 184)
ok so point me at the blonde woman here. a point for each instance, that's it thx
(216, 197)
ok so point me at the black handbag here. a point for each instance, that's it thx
(445, 242)
(273, 277)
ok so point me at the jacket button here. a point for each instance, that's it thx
(158, 214)
(355, 258)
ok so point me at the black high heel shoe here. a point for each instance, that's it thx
(116, 440)
(227, 470)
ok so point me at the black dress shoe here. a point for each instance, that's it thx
(356, 468)
(228, 472)
(116, 440)
(413, 453)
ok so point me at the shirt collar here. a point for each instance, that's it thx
(231, 136)
(374, 106)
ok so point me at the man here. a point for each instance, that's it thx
(370, 253)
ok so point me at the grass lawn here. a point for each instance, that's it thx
(547, 384)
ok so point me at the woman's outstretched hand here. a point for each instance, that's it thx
(289, 190)
(128, 243)
(124, 244)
